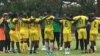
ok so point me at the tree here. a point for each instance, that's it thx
(98, 8)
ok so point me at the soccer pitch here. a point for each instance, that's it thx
(61, 53)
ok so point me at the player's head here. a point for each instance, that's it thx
(28, 14)
(24, 15)
(80, 12)
(13, 15)
(5, 14)
(92, 17)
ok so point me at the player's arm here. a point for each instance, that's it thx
(75, 21)
(37, 21)
(26, 20)
(44, 18)
(57, 20)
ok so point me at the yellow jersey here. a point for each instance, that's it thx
(49, 23)
(94, 25)
(81, 20)
(24, 24)
(66, 24)
(17, 24)
(35, 24)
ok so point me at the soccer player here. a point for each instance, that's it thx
(2, 34)
(67, 24)
(42, 31)
(35, 34)
(15, 33)
(7, 35)
(81, 29)
(49, 36)
(94, 23)
(76, 34)
(57, 29)
(24, 33)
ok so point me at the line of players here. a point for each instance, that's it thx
(29, 28)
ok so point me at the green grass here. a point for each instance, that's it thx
(61, 53)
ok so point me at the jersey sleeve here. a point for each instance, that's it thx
(37, 20)
(86, 18)
(75, 18)
(61, 21)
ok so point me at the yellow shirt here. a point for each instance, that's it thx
(94, 25)
(66, 24)
(35, 25)
(23, 24)
(49, 23)
(81, 20)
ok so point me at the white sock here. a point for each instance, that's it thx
(88, 47)
(46, 45)
(95, 47)
(66, 49)
(51, 46)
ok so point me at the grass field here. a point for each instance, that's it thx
(61, 53)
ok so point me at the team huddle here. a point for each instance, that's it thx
(29, 28)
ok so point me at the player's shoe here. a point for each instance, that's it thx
(43, 48)
(61, 48)
(95, 48)
(67, 51)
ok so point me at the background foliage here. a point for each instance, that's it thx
(40, 6)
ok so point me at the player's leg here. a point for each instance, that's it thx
(81, 39)
(36, 44)
(85, 40)
(81, 44)
(66, 47)
(88, 36)
(36, 41)
(7, 42)
(43, 40)
(13, 36)
(24, 46)
(94, 42)
(65, 38)
(65, 43)
(1, 46)
(18, 47)
(12, 46)
(57, 36)
(88, 39)
(91, 48)
(46, 41)
(9, 46)
(47, 44)
(18, 42)
(77, 40)
(31, 47)
(61, 40)
(69, 41)
(51, 38)
(95, 48)
(51, 45)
